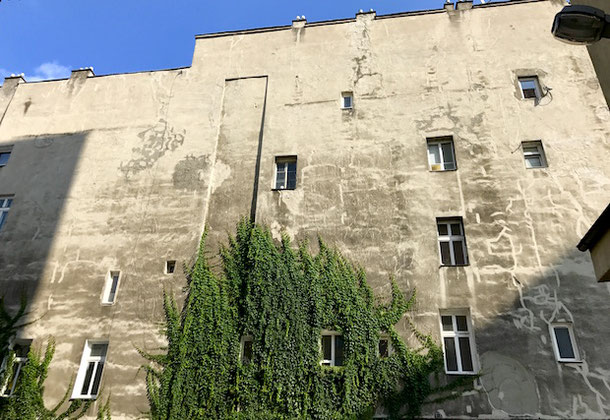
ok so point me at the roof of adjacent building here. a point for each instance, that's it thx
(599, 228)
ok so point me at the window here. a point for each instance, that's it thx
(21, 348)
(347, 100)
(530, 88)
(332, 348)
(533, 154)
(170, 267)
(384, 348)
(286, 173)
(110, 287)
(451, 241)
(563, 343)
(5, 205)
(441, 156)
(89, 374)
(246, 349)
(5, 154)
(458, 342)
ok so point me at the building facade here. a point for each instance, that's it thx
(463, 150)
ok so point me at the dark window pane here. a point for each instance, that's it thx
(4, 158)
(21, 349)
(2, 218)
(338, 350)
(247, 355)
(447, 323)
(445, 253)
(450, 356)
(97, 379)
(456, 229)
(8, 202)
(98, 350)
(292, 180)
(448, 156)
(87, 381)
(442, 229)
(466, 354)
(170, 267)
(529, 93)
(564, 343)
(458, 253)
(533, 162)
(326, 347)
(384, 346)
(462, 325)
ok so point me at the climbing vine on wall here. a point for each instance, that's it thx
(283, 298)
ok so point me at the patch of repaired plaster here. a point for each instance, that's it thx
(189, 172)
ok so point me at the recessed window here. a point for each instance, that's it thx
(89, 376)
(458, 342)
(285, 172)
(246, 349)
(332, 348)
(5, 154)
(111, 287)
(452, 241)
(564, 343)
(530, 88)
(5, 205)
(347, 100)
(21, 348)
(384, 348)
(533, 153)
(441, 155)
(170, 267)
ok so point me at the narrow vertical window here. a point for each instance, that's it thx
(452, 241)
(246, 349)
(347, 100)
(5, 206)
(441, 155)
(332, 348)
(564, 343)
(20, 348)
(89, 375)
(170, 267)
(458, 342)
(5, 154)
(530, 87)
(285, 173)
(384, 347)
(110, 288)
(533, 153)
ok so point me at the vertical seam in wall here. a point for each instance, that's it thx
(257, 168)
(10, 101)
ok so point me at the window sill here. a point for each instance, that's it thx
(107, 304)
(454, 265)
(85, 398)
(443, 170)
(461, 373)
(283, 189)
(574, 361)
(537, 167)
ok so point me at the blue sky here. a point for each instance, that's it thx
(47, 38)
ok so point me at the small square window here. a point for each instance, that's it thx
(458, 342)
(4, 157)
(111, 287)
(347, 100)
(533, 153)
(530, 88)
(452, 241)
(441, 155)
(246, 349)
(5, 206)
(332, 348)
(89, 376)
(170, 266)
(21, 348)
(564, 344)
(285, 172)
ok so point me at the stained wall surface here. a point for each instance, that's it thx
(122, 172)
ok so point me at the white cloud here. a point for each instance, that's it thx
(49, 70)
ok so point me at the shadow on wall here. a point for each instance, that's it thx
(38, 177)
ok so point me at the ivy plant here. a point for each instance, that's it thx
(283, 298)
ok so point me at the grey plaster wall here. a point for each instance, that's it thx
(122, 172)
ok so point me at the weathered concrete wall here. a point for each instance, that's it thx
(121, 173)
(600, 254)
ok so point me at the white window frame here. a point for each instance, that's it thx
(167, 264)
(108, 287)
(451, 238)
(438, 142)
(539, 153)
(285, 160)
(242, 348)
(5, 205)
(333, 344)
(387, 337)
(18, 363)
(455, 335)
(82, 371)
(3, 150)
(537, 90)
(344, 96)
(570, 328)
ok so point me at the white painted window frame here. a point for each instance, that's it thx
(438, 143)
(450, 238)
(570, 327)
(539, 153)
(18, 363)
(108, 287)
(284, 160)
(82, 370)
(384, 336)
(333, 344)
(455, 335)
(344, 96)
(242, 347)
(537, 89)
(5, 205)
